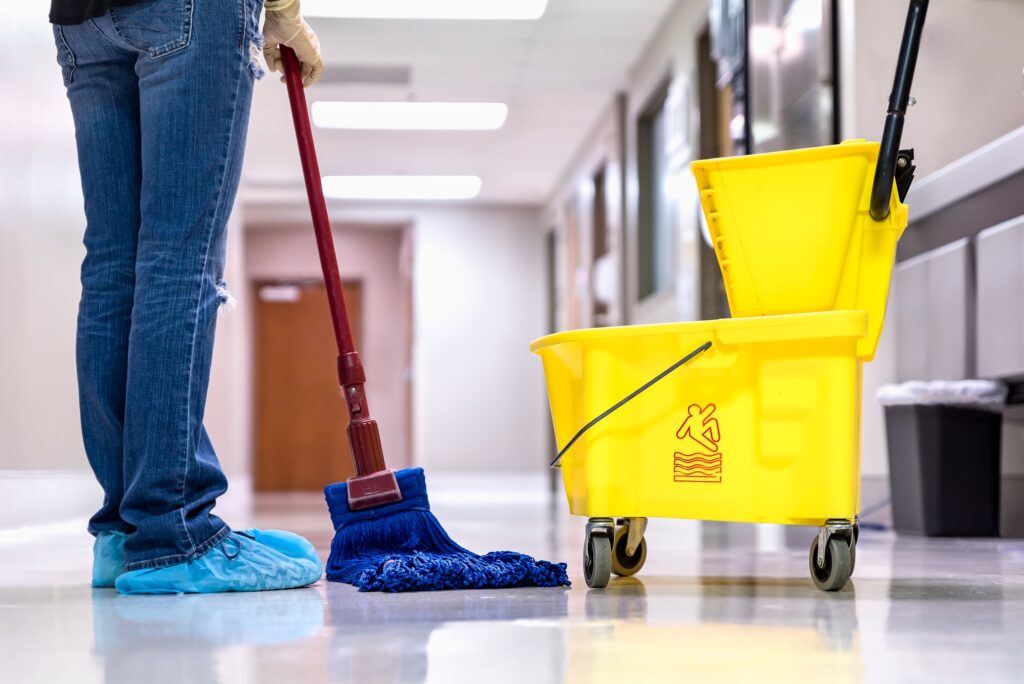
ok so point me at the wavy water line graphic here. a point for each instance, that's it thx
(679, 466)
(698, 459)
(697, 468)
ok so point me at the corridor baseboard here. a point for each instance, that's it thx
(43, 497)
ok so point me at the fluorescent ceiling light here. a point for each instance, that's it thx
(411, 116)
(402, 187)
(425, 9)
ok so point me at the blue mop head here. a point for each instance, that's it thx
(402, 547)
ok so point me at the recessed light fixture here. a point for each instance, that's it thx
(402, 187)
(410, 116)
(425, 9)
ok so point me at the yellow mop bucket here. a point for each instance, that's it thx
(744, 419)
(754, 418)
(792, 232)
(761, 424)
(750, 419)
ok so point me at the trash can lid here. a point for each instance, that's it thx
(982, 394)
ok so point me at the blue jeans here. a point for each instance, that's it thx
(160, 92)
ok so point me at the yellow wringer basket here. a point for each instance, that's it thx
(792, 232)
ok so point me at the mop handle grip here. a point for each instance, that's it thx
(317, 204)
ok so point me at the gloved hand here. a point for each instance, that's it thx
(284, 25)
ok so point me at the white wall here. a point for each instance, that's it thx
(968, 81)
(478, 279)
(41, 222)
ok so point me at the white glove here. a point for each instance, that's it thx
(284, 25)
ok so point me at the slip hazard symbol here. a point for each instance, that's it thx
(699, 458)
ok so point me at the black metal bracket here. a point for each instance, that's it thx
(899, 99)
(904, 173)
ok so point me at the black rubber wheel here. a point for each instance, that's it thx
(597, 561)
(623, 564)
(838, 565)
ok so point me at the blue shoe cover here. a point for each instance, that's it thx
(107, 559)
(252, 560)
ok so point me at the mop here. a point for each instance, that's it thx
(386, 538)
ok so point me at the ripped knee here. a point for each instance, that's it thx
(255, 41)
(225, 299)
(256, 57)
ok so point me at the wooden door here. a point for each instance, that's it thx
(301, 443)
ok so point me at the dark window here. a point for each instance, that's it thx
(656, 239)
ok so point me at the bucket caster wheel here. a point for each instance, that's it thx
(832, 556)
(853, 547)
(597, 552)
(629, 537)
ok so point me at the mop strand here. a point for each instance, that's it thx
(402, 547)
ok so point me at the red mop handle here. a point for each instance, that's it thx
(363, 434)
(317, 205)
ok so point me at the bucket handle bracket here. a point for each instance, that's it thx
(630, 397)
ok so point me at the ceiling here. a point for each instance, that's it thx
(556, 75)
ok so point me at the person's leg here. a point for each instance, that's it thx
(195, 87)
(136, 293)
(103, 91)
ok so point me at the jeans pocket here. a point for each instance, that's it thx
(156, 27)
(65, 57)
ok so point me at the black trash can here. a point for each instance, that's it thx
(944, 468)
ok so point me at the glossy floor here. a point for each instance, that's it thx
(714, 603)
